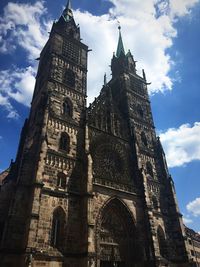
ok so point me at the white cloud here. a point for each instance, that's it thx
(187, 220)
(147, 26)
(24, 25)
(23, 81)
(194, 207)
(11, 112)
(18, 85)
(148, 30)
(181, 145)
(181, 7)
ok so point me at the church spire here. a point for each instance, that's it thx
(69, 5)
(67, 13)
(120, 46)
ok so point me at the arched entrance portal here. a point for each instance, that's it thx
(116, 240)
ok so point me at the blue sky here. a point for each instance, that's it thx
(163, 36)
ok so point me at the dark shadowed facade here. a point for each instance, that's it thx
(90, 186)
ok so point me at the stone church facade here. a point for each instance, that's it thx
(90, 186)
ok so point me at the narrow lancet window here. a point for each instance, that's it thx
(61, 180)
(67, 108)
(162, 242)
(149, 169)
(58, 227)
(144, 139)
(69, 78)
(64, 142)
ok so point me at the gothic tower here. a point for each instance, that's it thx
(133, 215)
(90, 186)
(43, 223)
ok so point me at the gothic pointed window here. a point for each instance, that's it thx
(162, 242)
(58, 228)
(140, 111)
(155, 202)
(144, 139)
(67, 107)
(64, 142)
(149, 169)
(69, 78)
(61, 180)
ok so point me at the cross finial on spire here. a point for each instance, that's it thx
(120, 46)
(119, 27)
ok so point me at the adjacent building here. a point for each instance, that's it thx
(193, 240)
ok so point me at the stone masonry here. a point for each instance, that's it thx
(90, 186)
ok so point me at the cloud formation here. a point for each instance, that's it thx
(24, 25)
(187, 220)
(21, 26)
(181, 145)
(147, 26)
(194, 207)
(148, 30)
(5, 103)
(16, 84)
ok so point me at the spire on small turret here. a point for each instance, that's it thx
(67, 13)
(144, 75)
(105, 79)
(69, 5)
(120, 46)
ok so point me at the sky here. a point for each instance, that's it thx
(163, 36)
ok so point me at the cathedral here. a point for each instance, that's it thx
(90, 186)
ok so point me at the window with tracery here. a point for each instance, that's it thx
(67, 107)
(144, 139)
(64, 142)
(140, 111)
(162, 242)
(108, 163)
(58, 228)
(149, 169)
(69, 78)
(61, 180)
(155, 202)
(71, 50)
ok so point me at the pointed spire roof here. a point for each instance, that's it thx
(105, 79)
(120, 46)
(69, 5)
(67, 13)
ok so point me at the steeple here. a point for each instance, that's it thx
(122, 62)
(120, 46)
(67, 13)
(69, 5)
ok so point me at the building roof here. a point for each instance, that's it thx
(191, 233)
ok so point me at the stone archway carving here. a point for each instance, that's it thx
(116, 241)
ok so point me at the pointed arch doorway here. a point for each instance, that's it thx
(116, 236)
